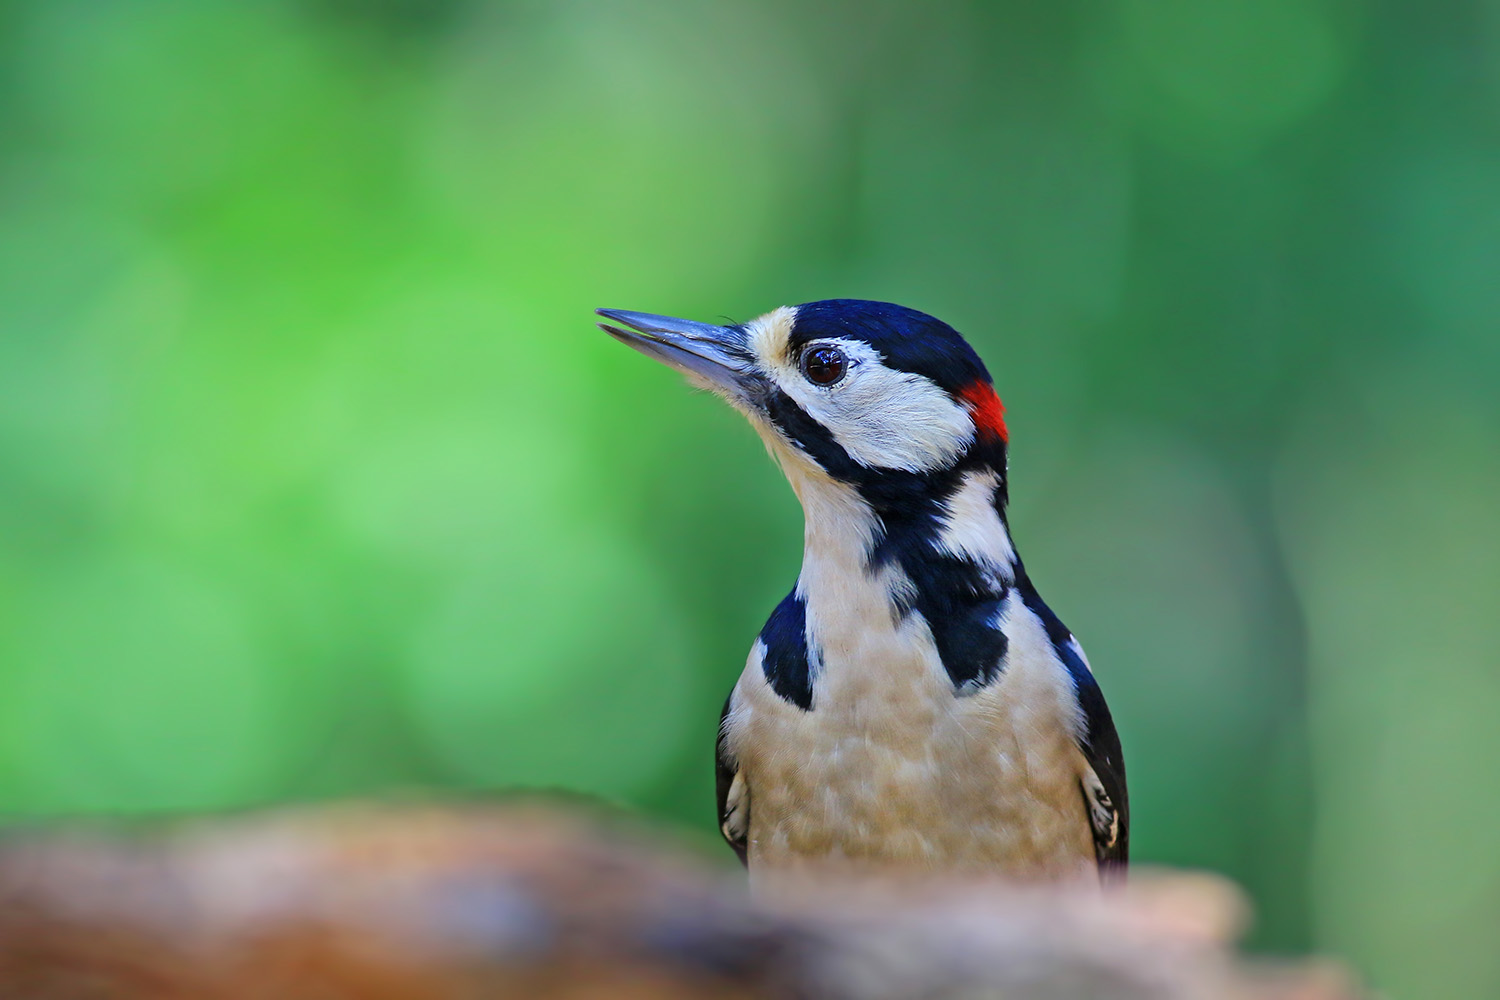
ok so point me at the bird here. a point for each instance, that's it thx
(912, 704)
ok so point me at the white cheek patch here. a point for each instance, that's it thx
(886, 419)
(971, 525)
(883, 418)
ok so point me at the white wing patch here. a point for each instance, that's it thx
(1103, 816)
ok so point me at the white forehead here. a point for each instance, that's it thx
(767, 336)
(884, 418)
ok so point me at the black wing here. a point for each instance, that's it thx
(1105, 800)
(734, 816)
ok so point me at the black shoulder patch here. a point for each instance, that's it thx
(787, 663)
(1108, 807)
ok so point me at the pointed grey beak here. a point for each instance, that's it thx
(716, 356)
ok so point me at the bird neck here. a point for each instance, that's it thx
(929, 544)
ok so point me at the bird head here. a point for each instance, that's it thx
(884, 400)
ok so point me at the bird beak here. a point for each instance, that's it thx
(714, 356)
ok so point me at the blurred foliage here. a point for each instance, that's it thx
(315, 478)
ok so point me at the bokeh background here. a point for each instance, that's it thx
(316, 479)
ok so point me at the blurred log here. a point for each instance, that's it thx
(424, 903)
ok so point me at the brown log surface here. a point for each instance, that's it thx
(449, 903)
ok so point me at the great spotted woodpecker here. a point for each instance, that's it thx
(912, 702)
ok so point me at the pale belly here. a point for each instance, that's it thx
(893, 770)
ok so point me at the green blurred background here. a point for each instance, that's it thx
(316, 479)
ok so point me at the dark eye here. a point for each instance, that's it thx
(824, 365)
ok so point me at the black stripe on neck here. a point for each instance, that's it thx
(959, 598)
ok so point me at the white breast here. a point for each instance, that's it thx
(892, 768)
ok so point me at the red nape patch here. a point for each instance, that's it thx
(986, 409)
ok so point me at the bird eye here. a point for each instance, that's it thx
(824, 365)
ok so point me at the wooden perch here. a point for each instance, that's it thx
(412, 903)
